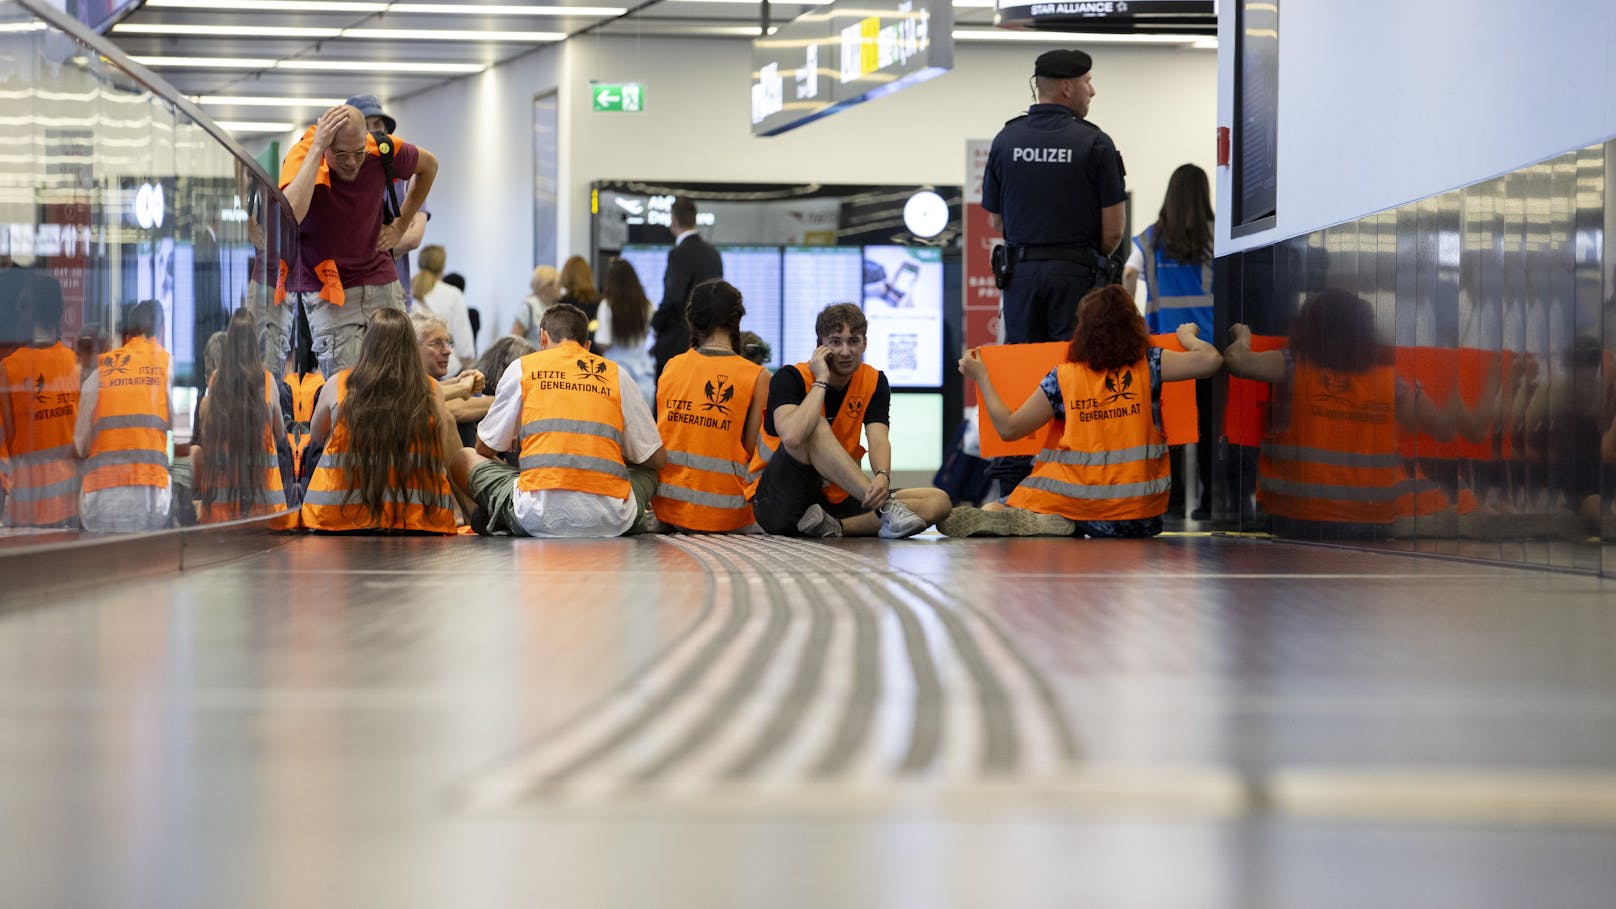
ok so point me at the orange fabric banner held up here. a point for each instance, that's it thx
(1245, 417)
(1016, 370)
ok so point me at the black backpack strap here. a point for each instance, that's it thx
(384, 145)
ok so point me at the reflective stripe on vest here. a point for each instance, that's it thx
(1111, 467)
(331, 504)
(129, 429)
(847, 426)
(702, 403)
(1335, 457)
(42, 385)
(572, 423)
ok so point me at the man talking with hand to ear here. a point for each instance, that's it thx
(806, 467)
(336, 182)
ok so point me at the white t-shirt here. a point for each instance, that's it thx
(1136, 261)
(566, 512)
(447, 303)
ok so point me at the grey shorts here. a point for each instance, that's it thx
(338, 331)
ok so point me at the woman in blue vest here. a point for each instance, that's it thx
(1175, 257)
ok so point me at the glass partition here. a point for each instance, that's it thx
(130, 231)
(1436, 378)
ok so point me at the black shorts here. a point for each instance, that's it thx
(786, 491)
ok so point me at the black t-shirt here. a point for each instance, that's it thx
(787, 387)
(1048, 174)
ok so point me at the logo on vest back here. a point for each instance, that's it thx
(1337, 388)
(116, 364)
(39, 389)
(1118, 382)
(598, 373)
(719, 393)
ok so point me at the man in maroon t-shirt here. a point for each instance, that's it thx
(334, 180)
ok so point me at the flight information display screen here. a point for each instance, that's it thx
(755, 272)
(816, 277)
(900, 289)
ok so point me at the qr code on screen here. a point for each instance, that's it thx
(901, 351)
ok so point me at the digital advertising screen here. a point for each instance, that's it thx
(902, 295)
(815, 277)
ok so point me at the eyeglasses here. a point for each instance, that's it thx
(440, 344)
(348, 155)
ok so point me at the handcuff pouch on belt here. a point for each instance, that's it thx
(1103, 268)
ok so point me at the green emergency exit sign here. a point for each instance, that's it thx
(626, 97)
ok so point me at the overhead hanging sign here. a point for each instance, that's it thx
(1168, 16)
(620, 97)
(846, 52)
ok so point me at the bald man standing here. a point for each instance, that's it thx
(335, 181)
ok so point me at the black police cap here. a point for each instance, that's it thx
(1062, 64)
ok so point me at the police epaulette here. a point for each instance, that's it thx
(1021, 116)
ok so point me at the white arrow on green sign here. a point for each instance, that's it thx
(626, 97)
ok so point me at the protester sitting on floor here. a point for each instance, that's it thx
(387, 437)
(589, 447)
(39, 404)
(122, 429)
(808, 479)
(709, 409)
(237, 450)
(463, 393)
(1108, 475)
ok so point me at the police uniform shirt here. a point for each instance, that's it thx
(1049, 173)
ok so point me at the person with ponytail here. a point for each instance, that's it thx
(709, 406)
(236, 457)
(388, 438)
(444, 301)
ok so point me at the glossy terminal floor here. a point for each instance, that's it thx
(755, 722)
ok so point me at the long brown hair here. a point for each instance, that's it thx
(232, 468)
(578, 282)
(1110, 332)
(391, 415)
(626, 296)
(1184, 226)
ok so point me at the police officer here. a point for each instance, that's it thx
(1054, 188)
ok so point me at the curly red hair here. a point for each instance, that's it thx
(1110, 333)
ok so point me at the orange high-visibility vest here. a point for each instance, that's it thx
(572, 423)
(425, 504)
(702, 403)
(269, 497)
(1110, 463)
(42, 384)
(1336, 459)
(129, 429)
(305, 393)
(847, 426)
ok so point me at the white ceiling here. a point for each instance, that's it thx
(267, 39)
(267, 65)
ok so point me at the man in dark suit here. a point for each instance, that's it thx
(691, 261)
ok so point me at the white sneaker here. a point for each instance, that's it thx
(899, 520)
(816, 523)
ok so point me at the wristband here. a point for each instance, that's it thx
(819, 385)
(883, 473)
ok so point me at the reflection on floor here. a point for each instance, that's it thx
(1193, 721)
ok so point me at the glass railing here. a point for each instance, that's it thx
(1438, 377)
(131, 230)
